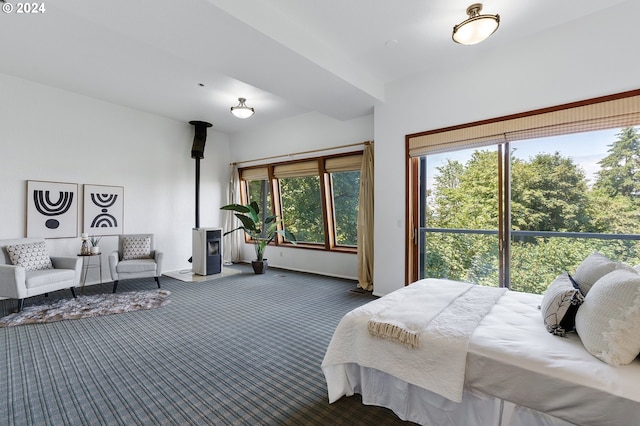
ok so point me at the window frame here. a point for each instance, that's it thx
(617, 110)
(326, 197)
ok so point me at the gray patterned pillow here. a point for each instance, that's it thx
(136, 248)
(560, 304)
(608, 322)
(31, 256)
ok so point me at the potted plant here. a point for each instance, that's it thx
(261, 232)
(94, 244)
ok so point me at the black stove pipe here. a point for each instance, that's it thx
(197, 152)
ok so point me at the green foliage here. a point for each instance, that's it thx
(549, 192)
(94, 240)
(620, 170)
(261, 231)
(302, 207)
(466, 196)
(346, 195)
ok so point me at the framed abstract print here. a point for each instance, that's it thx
(103, 210)
(52, 209)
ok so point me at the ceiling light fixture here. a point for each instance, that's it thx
(477, 28)
(242, 110)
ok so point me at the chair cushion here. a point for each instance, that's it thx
(136, 248)
(31, 256)
(45, 277)
(137, 265)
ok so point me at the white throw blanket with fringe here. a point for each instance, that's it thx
(404, 319)
(421, 331)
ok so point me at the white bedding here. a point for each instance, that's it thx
(441, 314)
(548, 373)
(515, 370)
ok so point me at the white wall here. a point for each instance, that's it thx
(303, 133)
(54, 135)
(581, 60)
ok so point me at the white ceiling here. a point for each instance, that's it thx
(285, 56)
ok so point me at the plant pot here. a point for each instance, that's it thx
(95, 250)
(259, 266)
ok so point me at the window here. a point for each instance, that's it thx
(346, 195)
(459, 216)
(316, 198)
(518, 208)
(258, 189)
(302, 208)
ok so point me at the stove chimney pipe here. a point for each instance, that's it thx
(197, 152)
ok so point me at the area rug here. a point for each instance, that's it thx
(88, 306)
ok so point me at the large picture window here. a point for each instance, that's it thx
(518, 209)
(317, 198)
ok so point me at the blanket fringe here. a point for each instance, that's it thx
(394, 332)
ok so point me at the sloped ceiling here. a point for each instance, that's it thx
(192, 59)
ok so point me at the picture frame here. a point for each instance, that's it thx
(52, 209)
(103, 212)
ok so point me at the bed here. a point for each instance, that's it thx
(505, 367)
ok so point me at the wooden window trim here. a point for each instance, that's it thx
(287, 169)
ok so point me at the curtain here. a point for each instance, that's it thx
(365, 221)
(232, 243)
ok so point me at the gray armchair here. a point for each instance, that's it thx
(26, 279)
(136, 257)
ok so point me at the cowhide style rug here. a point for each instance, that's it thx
(88, 306)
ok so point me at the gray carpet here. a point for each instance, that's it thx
(242, 350)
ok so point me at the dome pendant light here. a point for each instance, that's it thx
(477, 28)
(242, 110)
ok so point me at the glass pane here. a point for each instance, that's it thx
(536, 262)
(346, 195)
(260, 192)
(462, 190)
(461, 195)
(463, 257)
(580, 183)
(302, 208)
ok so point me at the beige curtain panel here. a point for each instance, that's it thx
(232, 243)
(365, 221)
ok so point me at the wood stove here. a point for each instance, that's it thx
(207, 251)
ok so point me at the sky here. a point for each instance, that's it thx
(586, 150)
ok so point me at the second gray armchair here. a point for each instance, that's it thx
(136, 257)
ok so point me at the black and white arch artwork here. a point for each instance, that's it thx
(52, 209)
(103, 209)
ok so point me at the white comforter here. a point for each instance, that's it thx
(441, 314)
(515, 370)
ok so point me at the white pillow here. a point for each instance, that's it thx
(594, 267)
(136, 248)
(31, 256)
(608, 322)
(560, 304)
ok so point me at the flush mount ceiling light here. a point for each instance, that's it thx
(477, 28)
(242, 110)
